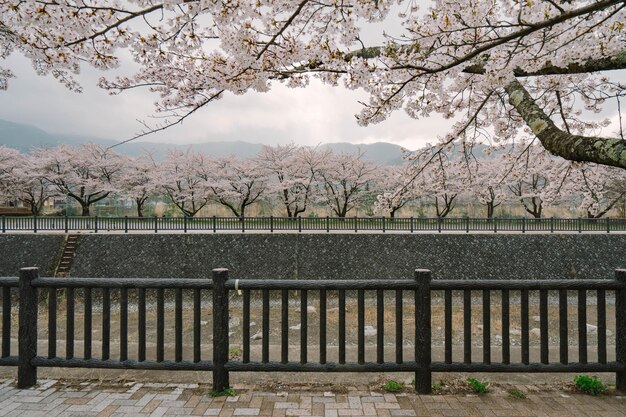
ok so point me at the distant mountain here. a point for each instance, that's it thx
(382, 153)
(25, 137)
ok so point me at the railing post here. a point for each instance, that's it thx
(439, 224)
(214, 224)
(125, 224)
(271, 224)
(523, 224)
(580, 225)
(220, 329)
(620, 329)
(299, 224)
(356, 224)
(95, 228)
(423, 377)
(608, 225)
(383, 224)
(551, 224)
(155, 224)
(411, 224)
(467, 222)
(495, 225)
(66, 223)
(327, 224)
(243, 224)
(185, 224)
(27, 341)
(4, 225)
(34, 224)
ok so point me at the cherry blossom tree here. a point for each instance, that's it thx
(495, 67)
(442, 180)
(293, 172)
(9, 160)
(237, 183)
(534, 176)
(87, 173)
(601, 187)
(21, 179)
(138, 180)
(342, 181)
(486, 179)
(395, 190)
(182, 176)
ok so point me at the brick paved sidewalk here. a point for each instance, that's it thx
(63, 398)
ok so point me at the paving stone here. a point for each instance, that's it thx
(246, 412)
(285, 405)
(50, 399)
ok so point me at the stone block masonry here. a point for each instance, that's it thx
(325, 256)
(22, 250)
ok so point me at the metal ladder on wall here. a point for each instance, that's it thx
(63, 267)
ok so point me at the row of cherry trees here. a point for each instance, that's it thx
(296, 177)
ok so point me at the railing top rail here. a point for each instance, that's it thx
(332, 284)
(9, 281)
(196, 283)
(543, 284)
(295, 284)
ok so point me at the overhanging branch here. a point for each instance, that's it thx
(605, 151)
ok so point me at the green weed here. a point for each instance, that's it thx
(589, 384)
(226, 392)
(477, 386)
(393, 386)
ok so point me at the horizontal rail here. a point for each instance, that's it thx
(296, 284)
(9, 361)
(319, 367)
(196, 283)
(531, 367)
(9, 282)
(413, 366)
(277, 284)
(544, 284)
(127, 364)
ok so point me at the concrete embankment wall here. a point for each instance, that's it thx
(324, 256)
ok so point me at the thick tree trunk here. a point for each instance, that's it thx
(605, 151)
(139, 207)
(490, 209)
(85, 208)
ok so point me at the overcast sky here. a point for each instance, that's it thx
(306, 116)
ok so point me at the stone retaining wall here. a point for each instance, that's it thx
(325, 256)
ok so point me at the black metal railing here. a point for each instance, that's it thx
(407, 314)
(305, 224)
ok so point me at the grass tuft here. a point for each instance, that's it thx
(517, 393)
(226, 392)
(393, 386)
(477, 386)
